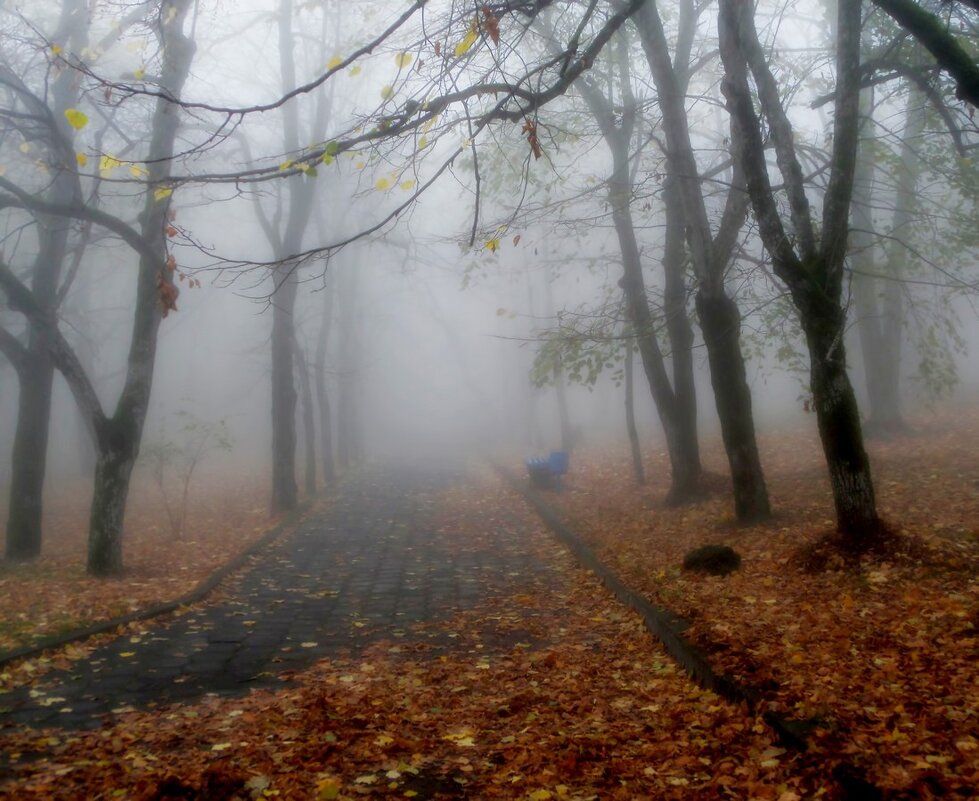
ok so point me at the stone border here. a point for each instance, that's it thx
(198, 593)
(664, 625)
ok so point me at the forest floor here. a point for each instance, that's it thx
(580, 702)
(882, 653)
(54, 595)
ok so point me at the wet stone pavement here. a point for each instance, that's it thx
(370, 568)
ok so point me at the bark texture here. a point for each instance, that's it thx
(720, 322)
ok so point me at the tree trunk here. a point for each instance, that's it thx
(881, 377)
(309, 424)
(838, 417)
(564, 418)
(884, 329)
(29, 456)
(720, 322)
(676, 408)
(686, 485)
(113, 472)
(685, 464)
(348, 409)
(284, 489)
(630, 416)
(301, 192)
(322, 395)
(709, 255)
(813, 272)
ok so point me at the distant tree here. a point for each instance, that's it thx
(638, 471)
(285, 229)
(308, 413)
(675, 401)
(912, 230)
(321, 389)
(710, 251)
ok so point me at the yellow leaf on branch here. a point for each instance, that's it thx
(107, 164)
(76, 119)
(468, 41)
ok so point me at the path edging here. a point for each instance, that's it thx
(198, 593)
(663, 624)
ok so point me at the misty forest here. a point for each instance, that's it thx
(532, 399)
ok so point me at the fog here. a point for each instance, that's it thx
(443, 257)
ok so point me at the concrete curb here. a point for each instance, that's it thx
(663, 624)
(201, 591)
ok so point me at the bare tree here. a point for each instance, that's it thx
(675, 402)
(710, 253)
(809, 261)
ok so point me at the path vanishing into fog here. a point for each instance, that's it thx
(376, 566)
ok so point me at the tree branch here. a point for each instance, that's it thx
(747, 144)
(935, 36)
(781, 127)
(12, 348)
(62, 354)
(846, 134)
(18, 198)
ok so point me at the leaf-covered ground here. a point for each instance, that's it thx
(549, 691)
(554, 691)
(884, 655)
(54, 594)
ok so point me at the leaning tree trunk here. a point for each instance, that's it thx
(709, 255)
(720, 322)
(838, 417)
(684, 462)
(676, 407)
